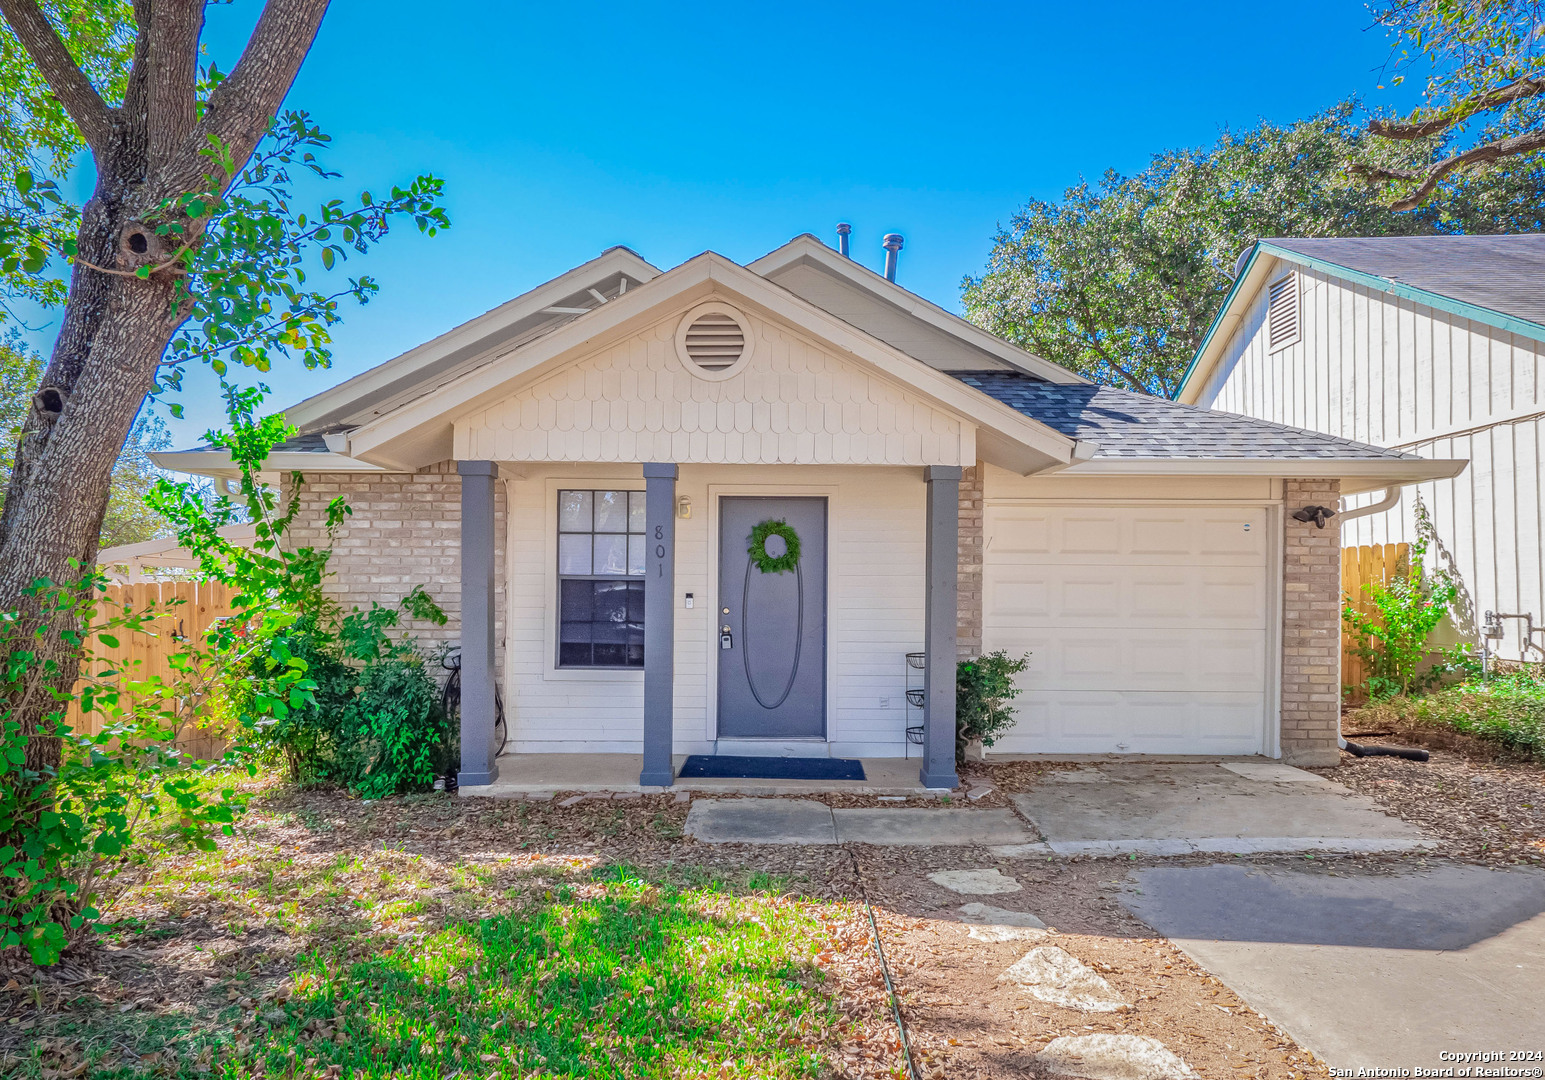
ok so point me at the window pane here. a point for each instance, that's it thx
(576, 601)
(611, 511)
(577, 655)
(574, 511)
(611, 554)
(636, 607)
(575, 633)
(636, 556)
(611, 602)
(574, 553)
(635, 511)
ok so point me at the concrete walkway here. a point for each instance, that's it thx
(804, 821)
(1240, 807)
(1368, 970)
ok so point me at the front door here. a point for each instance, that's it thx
(772, 626)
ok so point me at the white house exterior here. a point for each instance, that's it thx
(1428, 345)
(575, 475)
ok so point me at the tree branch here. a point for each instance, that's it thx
(80, 99)
(1476, 155)
(1518, 90)
(238, 111)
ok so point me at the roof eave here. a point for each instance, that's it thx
(486, 326)
(218, 464)
(1355, 474)
(807, 248)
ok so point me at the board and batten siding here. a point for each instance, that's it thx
(875, 609)
(1392, 372)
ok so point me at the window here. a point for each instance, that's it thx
(1282, 313)
(601, 579)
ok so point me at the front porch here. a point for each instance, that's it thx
(541, 775)
(673, 678)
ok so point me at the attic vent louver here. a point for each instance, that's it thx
(713, 341)
(1282, 314)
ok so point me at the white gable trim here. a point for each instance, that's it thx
(420, 432)
(486, 333)
(809, 250)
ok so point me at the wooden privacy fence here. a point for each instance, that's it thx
(1369, 564)
(189, 608)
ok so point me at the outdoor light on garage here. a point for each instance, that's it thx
(684, 507)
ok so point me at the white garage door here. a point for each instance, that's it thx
(1146, 626)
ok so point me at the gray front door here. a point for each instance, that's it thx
(772, 677)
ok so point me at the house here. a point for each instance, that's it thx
(1429, 345)
(579, 475)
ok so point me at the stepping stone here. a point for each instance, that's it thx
(986, 914)
(975, 882)
(991, 932)
(761, 821)
(1032, 850)
(1112, 1057)
(1057, 977)
(929, 827)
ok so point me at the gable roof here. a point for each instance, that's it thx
(1494, 280)
(529, 316)
(883, 309)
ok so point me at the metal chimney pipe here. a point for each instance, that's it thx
(843, 229)
(892, 244)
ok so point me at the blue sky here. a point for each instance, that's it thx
(563, 129)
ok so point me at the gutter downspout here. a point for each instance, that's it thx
(1387, 501)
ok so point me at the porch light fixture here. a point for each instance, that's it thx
(684, 507)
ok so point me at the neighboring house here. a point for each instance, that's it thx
(576, 475)
(1431, 345)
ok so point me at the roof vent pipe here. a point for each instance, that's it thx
(843, 229)
(892, 244)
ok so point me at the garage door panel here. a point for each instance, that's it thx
(1148, 536)
(1138, 659)
(1178, 597)
(1147, 627)
(1103, 722)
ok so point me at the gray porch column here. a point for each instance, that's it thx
(477, 623)
(659, 623)
(940, 618)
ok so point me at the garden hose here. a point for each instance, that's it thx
(1359, 750)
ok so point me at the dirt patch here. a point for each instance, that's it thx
(1482, 807)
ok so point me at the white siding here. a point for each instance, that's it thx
(793, 403)
(875, 609)
(1391, 372)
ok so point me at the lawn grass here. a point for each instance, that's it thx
(386, 963)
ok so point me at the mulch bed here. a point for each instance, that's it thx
(1482, 804)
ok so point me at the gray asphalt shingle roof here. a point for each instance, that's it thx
(1123, 424)
(1505, 274)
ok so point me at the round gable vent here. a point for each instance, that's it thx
(714, 340)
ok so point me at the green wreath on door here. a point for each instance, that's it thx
(774, 564)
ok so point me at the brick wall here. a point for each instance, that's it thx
(405, 531)
(1311, 627)
(969, 603)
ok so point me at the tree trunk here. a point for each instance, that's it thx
(116, 326)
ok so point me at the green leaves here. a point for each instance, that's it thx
(1120, 280)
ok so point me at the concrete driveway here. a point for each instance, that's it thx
(1235, 807)
(1369, 969)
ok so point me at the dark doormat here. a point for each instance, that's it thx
(771, 768)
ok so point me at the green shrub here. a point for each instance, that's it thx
(1508, 710)
(983, 689)
(375, 724)
(1393, 641)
